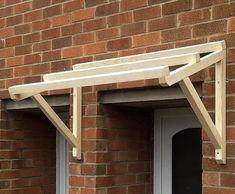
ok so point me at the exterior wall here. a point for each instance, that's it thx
(52, 35)
(27, 154)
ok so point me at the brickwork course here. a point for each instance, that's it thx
(43, 36)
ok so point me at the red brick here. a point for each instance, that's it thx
(61, 20)
(2, 63)
(102, 57)
(50, 34)
(136, 189)
(11, 2)
(52, 11)
(61, 65)
(117, 168)
(193, 17)
(14, 20)
(6, 52)
(2, 3)
(211, 179)
(25, 49)
(147, 13)
(71, 29)
(132, 4)
(95, 48)
(176, 34)
(6, 11)
(82, 60)
(84, 38)
(107, 9)
(162, 23)
(223, 11)
(34, 58)
(41, 25)
(215, 27)
(88, 190)
(22, 71)
(125, 179)
(72, 6)
(2, 22)
(230, 118)
(72, 52)
(176, 7)
(117, 190)
(30, 38)
(231, 24)
(23, 7)
(42, 46)
(132, 29)
(9, 154)
(191, 42)
(131, 84)
(120, 19)
(74, 169)
(6, 73)
(147, 39)
(6, 32)
(83, 14)
(210, 190)
(39, 4)
(40, 69)
(206, 3)
(61, 42)
(107, 34)
(229, 39)
(22, 29)
(93, 133)
(14, 61)
(132, 52)
(94, 25)
(76, 181)
(33, 16)
(90, 3)
(13, 41)
(151, 2)
(51, 55)
(119, 44)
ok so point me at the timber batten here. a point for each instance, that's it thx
(154, 65)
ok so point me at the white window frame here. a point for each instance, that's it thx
(62, 162)
(167, 123)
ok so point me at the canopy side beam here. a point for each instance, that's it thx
(201, 48)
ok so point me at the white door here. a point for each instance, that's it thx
(168, 122)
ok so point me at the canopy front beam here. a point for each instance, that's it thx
(156, 65)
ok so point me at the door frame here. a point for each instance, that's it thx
(162, 173)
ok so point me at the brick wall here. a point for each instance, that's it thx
(27, 154)
(41, 36)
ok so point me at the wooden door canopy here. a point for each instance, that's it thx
(156, 65)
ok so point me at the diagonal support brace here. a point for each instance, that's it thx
(212, 131)
(55, 119)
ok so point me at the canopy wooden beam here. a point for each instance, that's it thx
(156, 65)
(112, 68)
